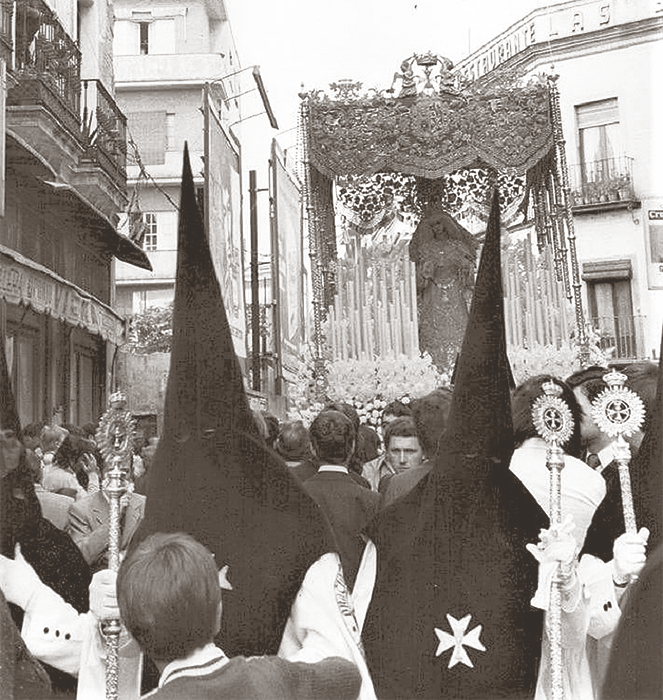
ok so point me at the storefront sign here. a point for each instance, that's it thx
(545, 25)
(655, 235)
(22, 282)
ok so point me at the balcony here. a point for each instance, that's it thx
(46, 65)
(104, 131)
(603, 185)
(622, 336)
(75, 127)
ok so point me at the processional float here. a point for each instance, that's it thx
(506, 125)
(438, 127)
(115, 437)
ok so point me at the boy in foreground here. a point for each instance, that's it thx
(169, 597)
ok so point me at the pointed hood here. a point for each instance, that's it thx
(205, 392)
(212, 476)
(452, 562)
(480, 414)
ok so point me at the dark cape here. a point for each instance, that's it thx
(635, 671)
(212, 475)
(452, 562)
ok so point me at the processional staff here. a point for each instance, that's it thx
(619, 412)
(553, 421)
(115, 437)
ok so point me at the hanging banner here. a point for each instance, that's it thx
(288, 253)
(27, 283)
(223, 217)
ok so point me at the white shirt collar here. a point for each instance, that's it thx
(200, 662)
(333, 468)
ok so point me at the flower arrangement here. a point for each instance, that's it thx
(369, 385)
(559, 361)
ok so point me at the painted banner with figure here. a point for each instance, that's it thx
(223, 217)
(290, 272)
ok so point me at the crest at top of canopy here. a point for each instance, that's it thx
(506, 125)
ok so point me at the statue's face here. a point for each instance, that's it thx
(119, 438)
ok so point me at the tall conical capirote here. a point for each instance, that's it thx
(480, 414)
(212, 476)
(450, 615)
(647, 470)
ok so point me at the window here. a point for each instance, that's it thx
(598, 139)
(171, 141)
(611, 306)
(148, 130)
(150, 238)
(144, 32)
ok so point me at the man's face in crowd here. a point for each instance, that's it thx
(11, 448)
(404, 453)
(591, 435)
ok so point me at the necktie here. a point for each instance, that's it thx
(593, 460)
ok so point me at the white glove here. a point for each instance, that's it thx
(556, 550)
(18, 580)
(629, 555)
(556, 545)
(103, 595)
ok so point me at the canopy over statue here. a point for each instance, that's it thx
(434, 127)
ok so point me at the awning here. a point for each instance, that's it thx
(23, 281)
(120, 246)
(22, 156)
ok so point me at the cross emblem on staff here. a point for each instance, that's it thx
(553, 419)
(618, 411)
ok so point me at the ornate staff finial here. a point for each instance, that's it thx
(115, 439)
(553, 421)
(619, 412)
(552, 417)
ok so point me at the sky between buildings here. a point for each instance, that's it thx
(316, 42)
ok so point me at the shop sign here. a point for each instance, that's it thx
(20, 284)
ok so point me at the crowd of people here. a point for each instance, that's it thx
(56, 522)
(326, 562)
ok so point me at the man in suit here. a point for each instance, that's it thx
(347, 506)
(89, 520)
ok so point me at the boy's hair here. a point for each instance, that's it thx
(168, 593)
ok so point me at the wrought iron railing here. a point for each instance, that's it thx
(104, 129)
(6, 22)
(622, 335)
(47, 62)
(599, 181)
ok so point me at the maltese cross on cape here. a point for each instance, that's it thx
(459, 640)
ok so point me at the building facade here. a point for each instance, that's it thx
(608, 55)
(165, 52)
(64, 180)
